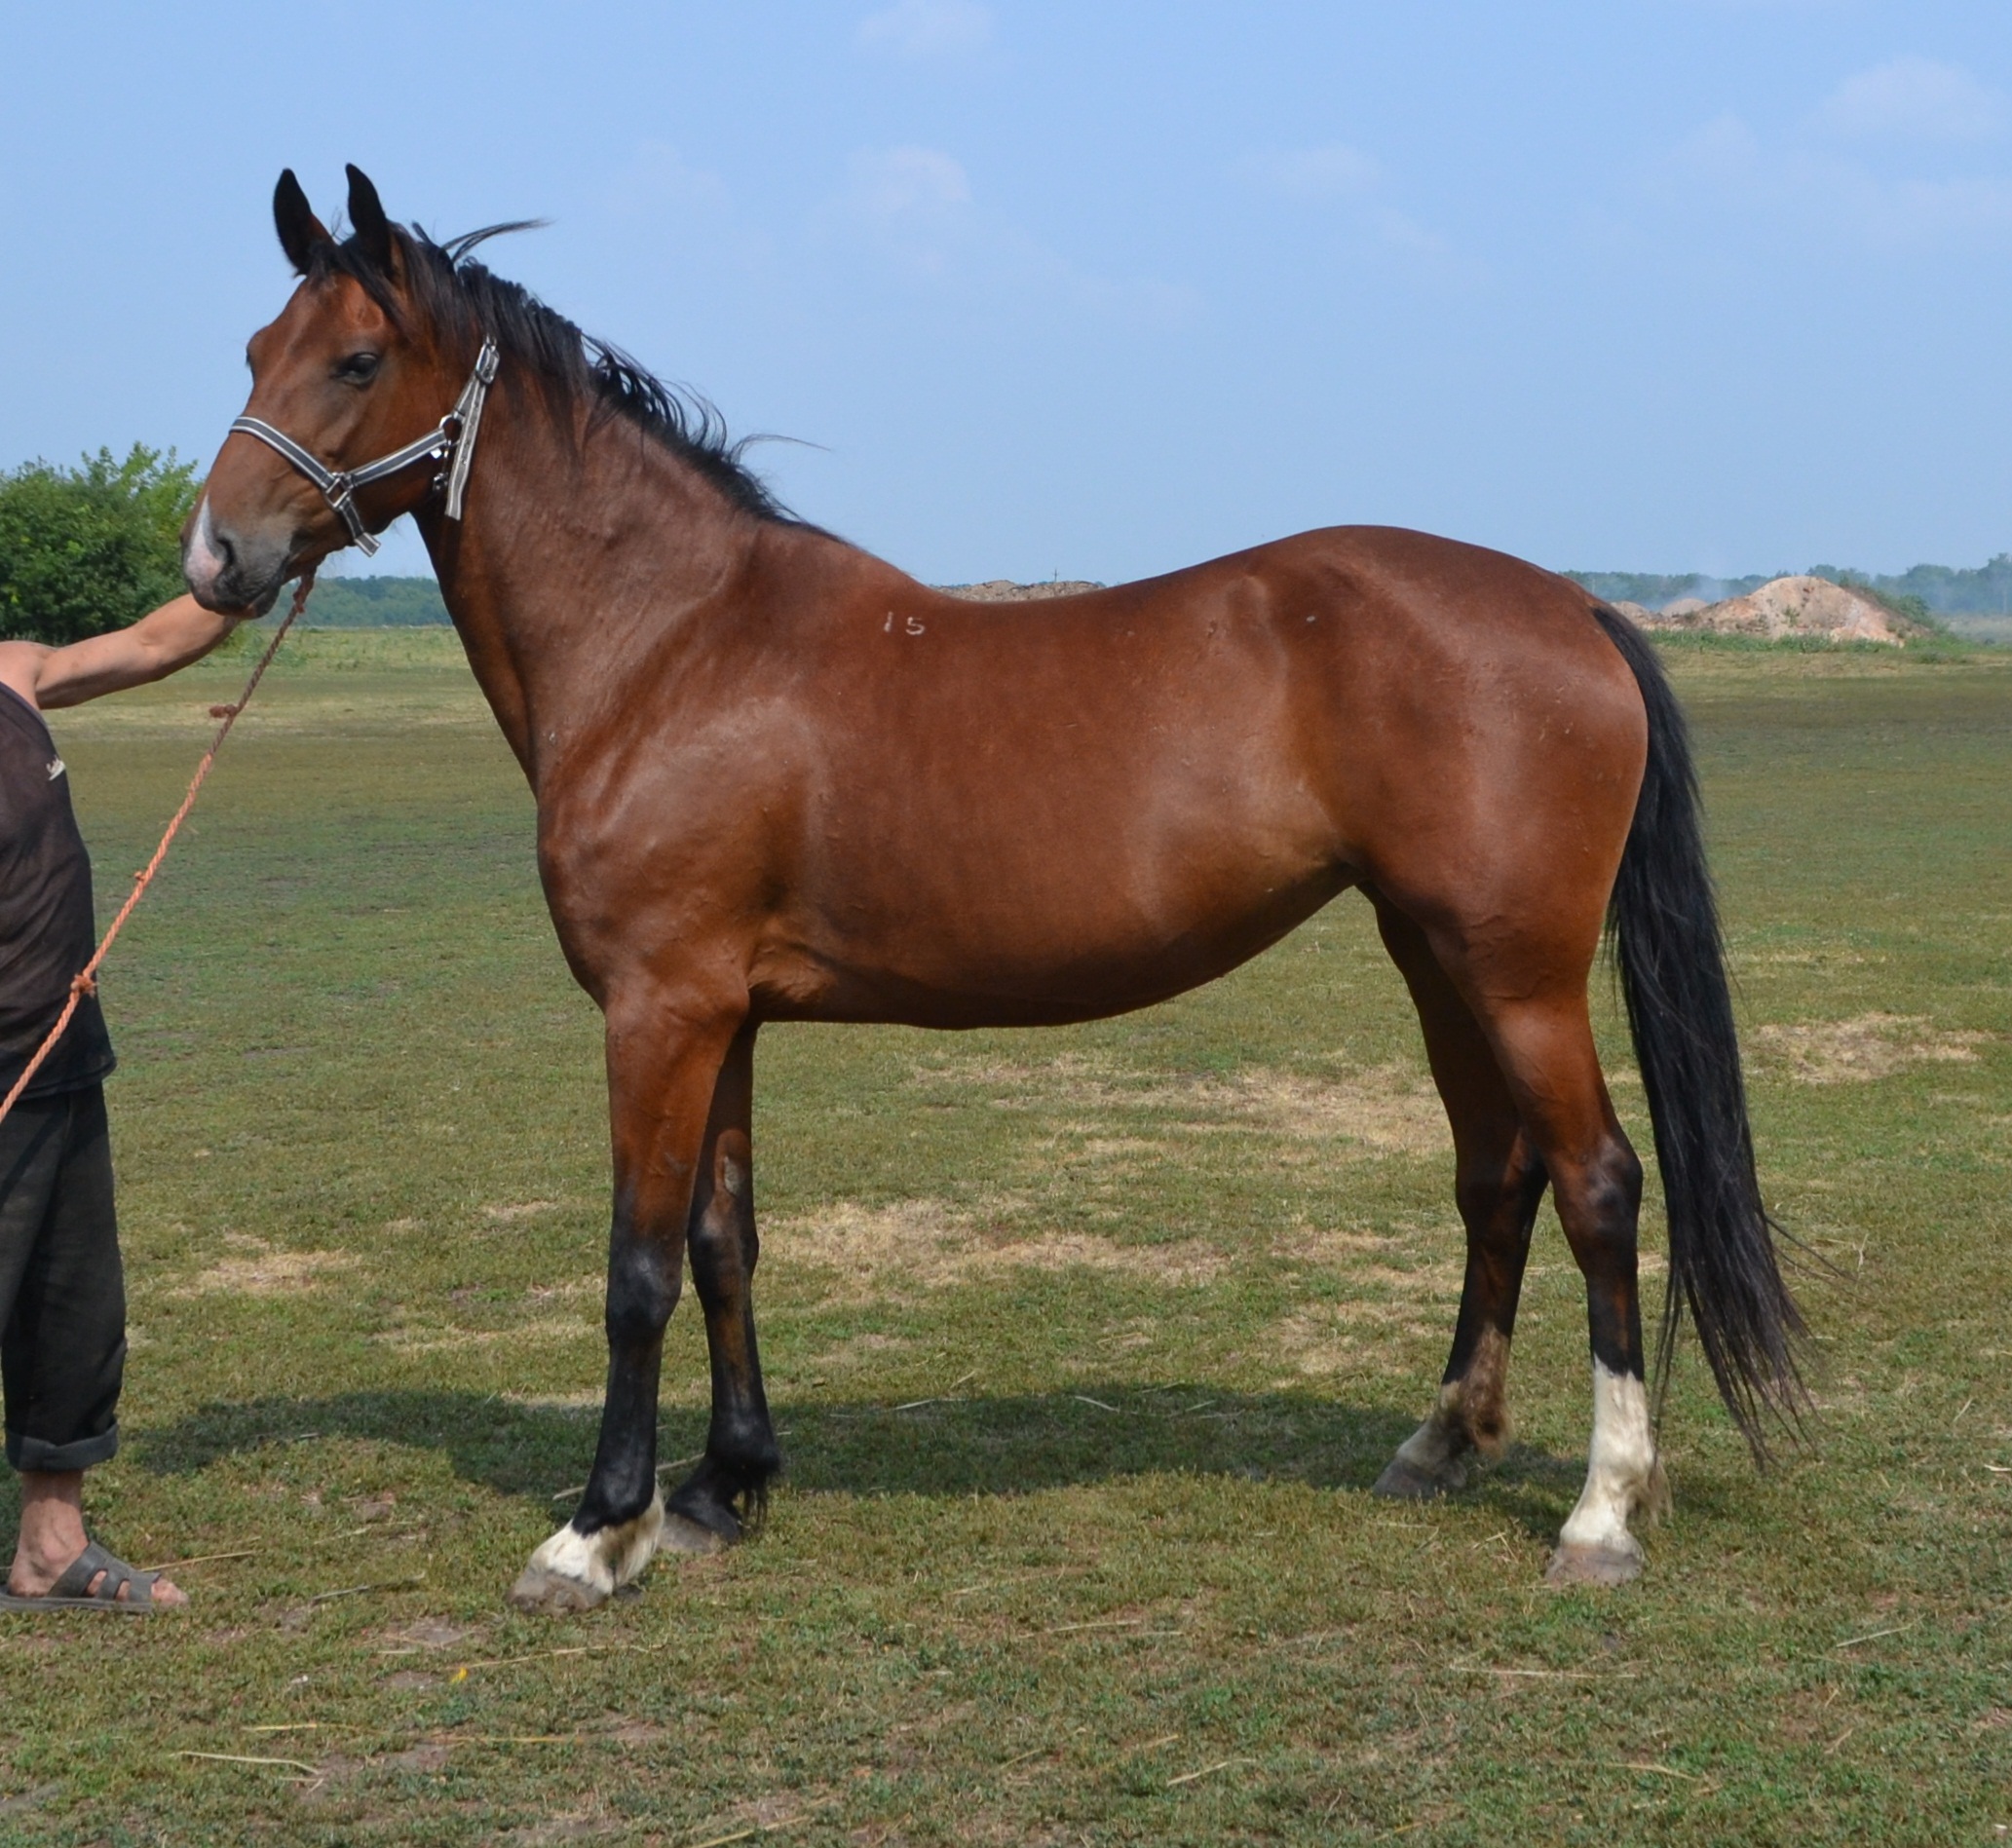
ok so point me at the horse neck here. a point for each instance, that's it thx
(580, 550)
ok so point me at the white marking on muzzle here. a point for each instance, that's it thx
(202, 564)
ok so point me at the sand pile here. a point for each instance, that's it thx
(1788, 607)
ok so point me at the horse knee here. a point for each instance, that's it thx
(645, 1278)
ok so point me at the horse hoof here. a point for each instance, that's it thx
(1406, 1481)
(577, 1571)
(1577, 1564)
(552, 1594)
(682, 1534)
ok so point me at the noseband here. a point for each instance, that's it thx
(451, 442)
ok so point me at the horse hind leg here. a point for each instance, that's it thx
(1500, 1182)
(728, 1490)
(1547, 1052)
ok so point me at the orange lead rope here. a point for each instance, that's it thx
(87, 979)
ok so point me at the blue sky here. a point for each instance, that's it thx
(1101, 289)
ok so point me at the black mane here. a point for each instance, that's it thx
(464, 300)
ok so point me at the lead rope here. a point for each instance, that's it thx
(86, 982)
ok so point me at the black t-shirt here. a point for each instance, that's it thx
(47, 931)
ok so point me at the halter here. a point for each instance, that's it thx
(452, 441)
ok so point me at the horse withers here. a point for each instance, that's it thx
(778, 780)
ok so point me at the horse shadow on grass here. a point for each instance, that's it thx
(942, 1447)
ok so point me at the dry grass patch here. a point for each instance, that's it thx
(916, 1247)
(1870, 1046)
(257, 1269)
(1388, 1109)
(1327, 1338)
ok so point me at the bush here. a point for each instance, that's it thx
(91, 548)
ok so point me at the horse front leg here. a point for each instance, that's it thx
(729, 1488)
(662, 1071)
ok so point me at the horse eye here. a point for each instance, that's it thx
(359, 368)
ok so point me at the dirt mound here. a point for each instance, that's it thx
(1004, 590)
(1790, 607)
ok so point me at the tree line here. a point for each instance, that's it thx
(89, 548)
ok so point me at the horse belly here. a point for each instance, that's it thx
(978, 928)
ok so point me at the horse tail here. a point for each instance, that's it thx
(1663, 926)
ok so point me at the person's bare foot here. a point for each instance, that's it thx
(52, 1536)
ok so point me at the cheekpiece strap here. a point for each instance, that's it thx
(468, 411)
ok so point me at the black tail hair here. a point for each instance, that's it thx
(1664, 927)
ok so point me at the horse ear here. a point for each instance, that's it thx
(367, 213)
(295, 221)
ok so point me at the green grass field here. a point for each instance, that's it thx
(1086, 1346)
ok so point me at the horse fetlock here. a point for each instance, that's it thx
(1431, 1460)
(724, 1498)
(572, 1570)
(1470, 1423)
(1624, 1476)
(1477, 1403)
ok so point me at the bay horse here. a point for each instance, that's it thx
(778, 780)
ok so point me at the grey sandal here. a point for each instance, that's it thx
(72, 1591)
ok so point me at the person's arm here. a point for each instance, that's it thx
(151, 648)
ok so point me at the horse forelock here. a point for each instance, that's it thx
(460, 302)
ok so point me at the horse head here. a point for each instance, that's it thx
(350, 375)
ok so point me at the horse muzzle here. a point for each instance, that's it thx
(231, 569)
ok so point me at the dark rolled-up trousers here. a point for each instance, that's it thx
(62, 1293)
